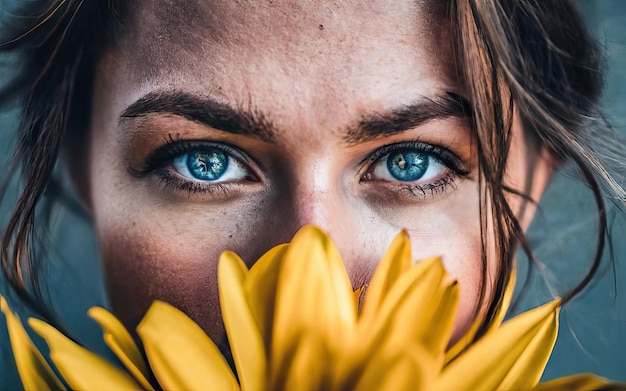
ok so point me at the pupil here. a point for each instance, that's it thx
(208, 166)
(407, 165)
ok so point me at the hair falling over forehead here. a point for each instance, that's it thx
(534, 56)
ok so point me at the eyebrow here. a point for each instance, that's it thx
(205, 110)
(410, 116)
(254, 123)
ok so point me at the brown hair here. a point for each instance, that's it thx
(536, 56)
(540, 56)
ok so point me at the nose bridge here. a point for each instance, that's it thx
(316, 200)
(318, 194)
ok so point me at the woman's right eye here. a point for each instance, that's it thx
(210, 165)
(198, 166)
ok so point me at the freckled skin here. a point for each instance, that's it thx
(314, 69)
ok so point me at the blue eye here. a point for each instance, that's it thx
(211, 165)
(408, 165)
(208, 166)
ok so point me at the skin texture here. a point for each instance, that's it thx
(313, 72)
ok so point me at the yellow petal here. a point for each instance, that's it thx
(397, 336)
(307, 369)
(33, 369)
(416, 299)
(260, 286)
(425, 276)
(427, 313)
(180, 354)
(434, 326)
(430, 324)
(512, 357)
(395, 262)
(468, 337)
(506, 301)
(409, 368)
(463, 342)
(431, 329)
(582, 382)
(314, 293)
(119, 340)
(246, 342)
(80, 368)
(419, 309)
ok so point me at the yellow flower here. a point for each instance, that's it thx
(293, 322)
(33, 369)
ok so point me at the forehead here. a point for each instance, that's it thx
(281, 55)
(162, 32)
(296, 22)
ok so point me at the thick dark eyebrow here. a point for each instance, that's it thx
(408, 117)
(204, 110)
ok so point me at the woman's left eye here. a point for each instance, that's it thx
(407, 165)
(210, 165)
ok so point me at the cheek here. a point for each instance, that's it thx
(453, 232)
(146, 265)
(170, 253)
(464, 263)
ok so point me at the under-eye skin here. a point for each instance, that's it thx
(413, 168)
(198, 166)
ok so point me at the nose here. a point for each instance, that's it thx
(330, 205)
(325, 208)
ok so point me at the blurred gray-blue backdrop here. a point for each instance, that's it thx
(592, 336)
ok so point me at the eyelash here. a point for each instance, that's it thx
(417, 190)
(159, 163)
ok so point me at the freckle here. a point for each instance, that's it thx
(230, 236)
(321, 27)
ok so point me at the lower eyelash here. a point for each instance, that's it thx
(422, 191)
(171, 181)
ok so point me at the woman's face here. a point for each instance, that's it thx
(229, 125)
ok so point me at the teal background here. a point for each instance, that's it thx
(592, 336)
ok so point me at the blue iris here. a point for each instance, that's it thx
(407, 165)
(208, 165)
